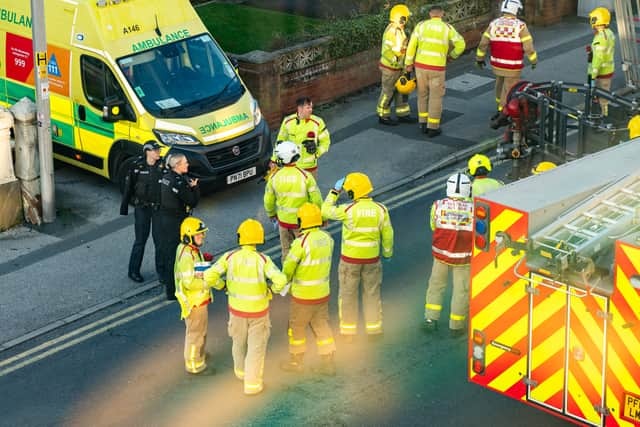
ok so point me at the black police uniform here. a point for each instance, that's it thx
(142, 189)
(177, 199)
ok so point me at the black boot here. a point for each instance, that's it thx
(500, 121)
(432, 133)
(406, 119)
(294, 364)
(387, 121)
(423, 128)
(430, 326)
(327, 365)
(136, 277)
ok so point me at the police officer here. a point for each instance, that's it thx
(142, 189)
(179, 194)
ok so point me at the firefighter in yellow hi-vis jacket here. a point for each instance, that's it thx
(601, 53)
(193, 294)
(366, 234)
(308, 269)
(247, 271)
(394, 46)
(428, 51)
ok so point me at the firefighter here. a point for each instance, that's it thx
(479, 167)
(542, 167)
(428, 52)
(394, 47)
(509, 40)
(288, 189)
(308, 269)
(452, 225)
(247, 271)
(601, 52)
(193, 294)
(308, 132)
(366, 234)
(179, 194)
(142, 188)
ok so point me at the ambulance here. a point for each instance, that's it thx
(124, 72)
(554, 317)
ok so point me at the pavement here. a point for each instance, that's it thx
(58, 273)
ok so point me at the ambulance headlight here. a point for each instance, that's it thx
(172, 138)
(255, 111)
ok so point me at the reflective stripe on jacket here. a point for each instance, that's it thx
(365, 225)
(190, 290)
(452, 225)
(394, 44)
(603, 48)
(247, 271)
(429, 44)
(509, 39)
(288, 189)
(308, 266)
(483, 184)
(296, 130)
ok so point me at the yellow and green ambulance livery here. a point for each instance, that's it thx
(122, 73)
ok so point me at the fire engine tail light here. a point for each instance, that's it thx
(481, 226)
(478, 348)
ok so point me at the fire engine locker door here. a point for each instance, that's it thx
(547, 342)
(586, 345)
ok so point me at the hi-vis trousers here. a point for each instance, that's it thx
(316, 316)
(250, 336)
(431, 88)
(195, 339)
(459, 298)
(389, 95)
(350, 275)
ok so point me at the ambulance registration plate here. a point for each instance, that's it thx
(631, 408)
(239, 176)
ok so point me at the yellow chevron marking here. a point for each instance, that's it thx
(620, 370)
(626, 334)
(503, 221)
(498, 306)
(488, 275)
(629, 294)
(614, 403)
(633, 254)
(510, 376)
(592, 368)
(544, 390)
(555, 302)
(546, 349)
(515, 333)
(582, 400)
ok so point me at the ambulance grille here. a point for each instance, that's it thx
(233, 153)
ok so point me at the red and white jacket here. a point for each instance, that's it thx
(505, 35)
(452, 225)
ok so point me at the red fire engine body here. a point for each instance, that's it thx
(554, 315)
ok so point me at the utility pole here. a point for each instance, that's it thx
(43, 107)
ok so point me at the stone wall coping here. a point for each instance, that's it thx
(263, 57)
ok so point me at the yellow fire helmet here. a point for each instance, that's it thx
(309, 216)
(599, 16)
(357, 185)
(399, 14)
(405, 85)
(634, 127)
(250, 232)
(543, 167)
(479, 161)
(190, 227)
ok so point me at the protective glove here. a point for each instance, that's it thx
(310, 146)
(338, 185)
(534, 65)
(124, 209)
(274, 223)
(285, 290)
(481, 64)
(207, 256)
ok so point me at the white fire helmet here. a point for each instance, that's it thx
(287, 152)
(511, 6)
(459, 185)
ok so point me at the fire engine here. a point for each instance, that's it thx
(554, 316)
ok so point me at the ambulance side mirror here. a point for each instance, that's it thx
(116, 109)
